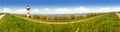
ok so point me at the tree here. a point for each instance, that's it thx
(43, 17)
(73, 16)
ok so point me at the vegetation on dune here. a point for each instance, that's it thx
(69, 18)
(1, 13)
(118, 12)
(106, 23)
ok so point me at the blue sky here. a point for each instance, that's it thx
(58, 4)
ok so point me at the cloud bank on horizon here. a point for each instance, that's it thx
(62, 10)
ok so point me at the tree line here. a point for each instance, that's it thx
(72, 16)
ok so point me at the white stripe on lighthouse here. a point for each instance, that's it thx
(28, 11)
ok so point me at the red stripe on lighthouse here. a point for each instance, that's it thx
(28, 11)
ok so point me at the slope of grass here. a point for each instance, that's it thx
(106, 23)
(11, 23)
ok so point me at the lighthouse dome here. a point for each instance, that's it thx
(28, 7)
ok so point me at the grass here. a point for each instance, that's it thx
(107, 23)
(11, 23)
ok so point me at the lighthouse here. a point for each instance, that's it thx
(28, 11)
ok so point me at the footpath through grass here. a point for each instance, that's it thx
(106, 23)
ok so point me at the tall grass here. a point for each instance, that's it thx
(107, 23)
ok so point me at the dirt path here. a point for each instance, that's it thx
(118, 14)
(2, 16)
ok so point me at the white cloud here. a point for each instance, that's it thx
(46, 9)
(81, 10)
(63, 10)
(105, 9)
(21, 11)
(116, 9)
(6, 10)
(35, 11)
(109, 9)
(55, 11)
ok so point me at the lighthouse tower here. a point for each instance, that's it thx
(28, 11)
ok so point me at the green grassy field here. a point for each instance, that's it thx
(107, 23)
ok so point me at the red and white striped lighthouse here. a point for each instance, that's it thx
(28, 11)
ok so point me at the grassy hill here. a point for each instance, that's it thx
(107, 23)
